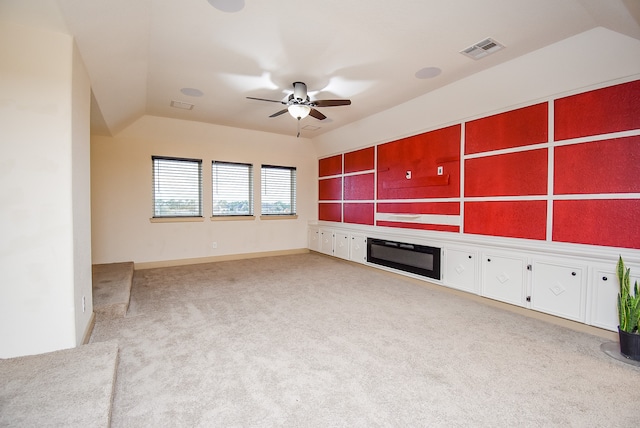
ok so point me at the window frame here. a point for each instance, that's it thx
(250, 195)
(154, 189)
(293, 189)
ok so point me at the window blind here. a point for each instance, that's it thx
(232, 188)
(278, 190)
(177, 187)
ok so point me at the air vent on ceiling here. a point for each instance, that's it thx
(310, 128)
(482, 49)
(181, 105)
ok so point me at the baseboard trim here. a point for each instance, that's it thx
(89, 329)
(200, 260)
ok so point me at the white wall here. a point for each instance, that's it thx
(37, 304)
(121, 178)
(594, 57)
(81, 193)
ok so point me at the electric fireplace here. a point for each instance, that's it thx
(419, 259)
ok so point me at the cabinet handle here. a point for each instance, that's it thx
(488, 260)
(469, 256)
(573, 274)
(604, 278)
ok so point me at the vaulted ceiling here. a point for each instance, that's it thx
(143, 54)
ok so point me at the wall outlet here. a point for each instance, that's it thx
(408, 175)
(214, 245)
(440, 170)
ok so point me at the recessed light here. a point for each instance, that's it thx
(181, 105)
(428, 73)
(229, 6)
(192, 92)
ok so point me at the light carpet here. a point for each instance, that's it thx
(312, 341)
(69, 388)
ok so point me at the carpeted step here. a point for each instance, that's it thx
(68, 388)
(112, 289)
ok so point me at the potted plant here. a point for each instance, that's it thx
(628, 313)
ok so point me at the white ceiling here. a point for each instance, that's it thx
(140, 53)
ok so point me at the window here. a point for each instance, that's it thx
(177, 187)
(278, 190)
(232, 188)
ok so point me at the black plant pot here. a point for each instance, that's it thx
(629, 344)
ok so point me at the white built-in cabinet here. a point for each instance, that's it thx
(559, 288)
(504, 278)
(460, 269)
(604, 296)
(326, 241)
(358, 248)
(314, 239)
(570, 287)
(341, 245)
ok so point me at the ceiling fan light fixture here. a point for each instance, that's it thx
(229, 6)
(299, 111)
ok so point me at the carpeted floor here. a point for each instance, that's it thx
(313, 341)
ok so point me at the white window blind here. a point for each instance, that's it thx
(278, 190)
(232, 188)
(177, 187)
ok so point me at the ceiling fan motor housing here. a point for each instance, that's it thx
(299, 91)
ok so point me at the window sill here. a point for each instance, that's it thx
(279, 217)
(233, 218)
(175, 219)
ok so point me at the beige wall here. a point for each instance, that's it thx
(122, 192)
(595, 57)
(41, 249)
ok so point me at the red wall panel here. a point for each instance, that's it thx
(360, 160)
(330, 212)
(330, 166)
(610, 166)
(612, 109)
(358, 187)
(515, 128)
(420, 154)
(359, 213)
(609, 222)
(514, 219)
(330, 189)
(443, 208)
(513, 174)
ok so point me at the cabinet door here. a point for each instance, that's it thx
(503, 278)
(314, 239)
(604, 297)
(326, 241)
(358, 248)
(460, 270)
(559, 289)
(341, 245)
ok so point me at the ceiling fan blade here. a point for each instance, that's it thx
(263, 99)
(279, 113)
(315, 113)
(331, 103)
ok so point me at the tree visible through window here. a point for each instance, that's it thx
(232, 189)
(278, 190)
(177, 187)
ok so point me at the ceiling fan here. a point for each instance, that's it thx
(299, 105)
